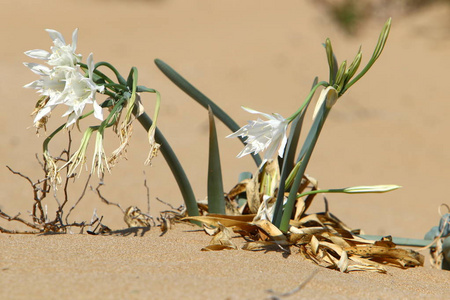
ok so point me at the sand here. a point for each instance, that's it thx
(391, 128)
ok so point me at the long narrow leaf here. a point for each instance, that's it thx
(216, 200)
(308, 148)
(288, 161)
(204, 101)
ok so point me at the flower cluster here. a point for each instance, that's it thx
(64, 83)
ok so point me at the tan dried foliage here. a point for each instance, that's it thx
(221, 240)
(319, 237)
(135, 218)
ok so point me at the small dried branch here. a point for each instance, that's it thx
(148, 194)
(104, 199)
(16, 218)
(79, 199)
(180, 208)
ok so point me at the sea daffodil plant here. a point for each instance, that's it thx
(69, 82)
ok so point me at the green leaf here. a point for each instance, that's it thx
(204, 101)
(304, 156)
(288, 160)
(216, 199)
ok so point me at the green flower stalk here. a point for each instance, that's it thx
(355, 190)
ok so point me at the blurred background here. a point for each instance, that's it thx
(390, 128)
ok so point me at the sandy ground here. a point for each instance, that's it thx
(391, 128)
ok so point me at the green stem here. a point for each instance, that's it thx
(376, 54)
(310, 143)
(121, 80)
(307, 100)
(174, 165)
(97, 72)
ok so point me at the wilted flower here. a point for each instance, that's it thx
(270, 134)
(52, 84)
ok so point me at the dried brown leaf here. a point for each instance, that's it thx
(307, 230)
(299, 238)
(396, 256)
(239, 188)
(135, 218)
(269, 178)
(221, 240)
(253, 197)
(343, 262)
(272, 231)
(260, 245)
(240, 222)
(217, 248)
(314, 245)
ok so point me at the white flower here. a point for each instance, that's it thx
(270, 134)
(65, 83)
(62, 55)
(80, 91)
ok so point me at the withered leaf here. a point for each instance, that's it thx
(240, 222)
(253, 197)
(221, 240)
(272, 231)
(261, 245)
(399, 256)
(135, 218)
(238, 188)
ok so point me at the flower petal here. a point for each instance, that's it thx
(38, 53)
(75, 39)
(55, 35)
(38, 69)
(98, 112)
(252, 111)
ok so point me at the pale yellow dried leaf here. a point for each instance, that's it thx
(405, 257)
(253, 197)
(343, 262)
(269, 178)
(271, 230)
(228, 221)
(307, 230)
(259, 245)
(221, 240)
(238, 189)
(314, 244)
